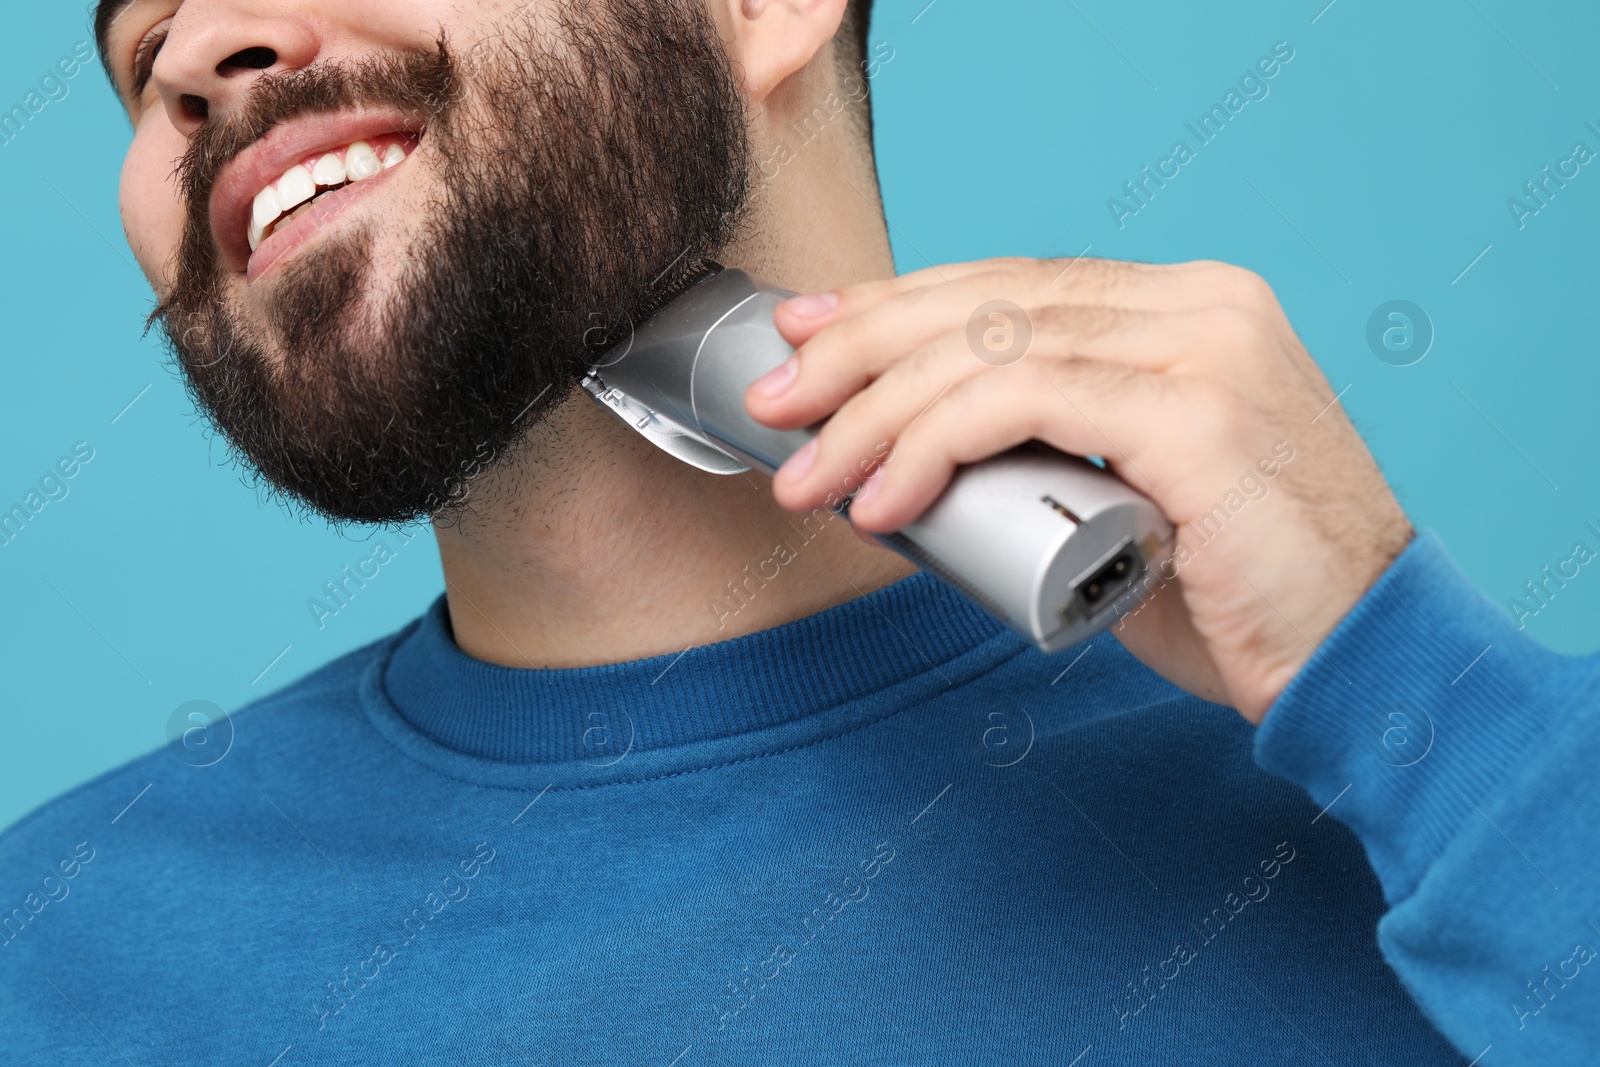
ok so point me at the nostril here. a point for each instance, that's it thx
(194, 106)
(248, 59)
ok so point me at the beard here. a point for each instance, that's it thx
(585, 169)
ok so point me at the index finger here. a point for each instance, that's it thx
(1030, 282)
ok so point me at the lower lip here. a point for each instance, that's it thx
(285, 240)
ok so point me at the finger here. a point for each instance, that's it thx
(882, 411)
(961, 319)
(799, 318)
(1146, 425)
(1222, 341)
(870, 420)
(863, 338)
(1071, 279)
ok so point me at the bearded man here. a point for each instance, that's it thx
(577, 812)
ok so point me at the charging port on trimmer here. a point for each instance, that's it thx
(1113, 578)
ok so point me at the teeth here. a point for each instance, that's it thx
(266, 207)
(291, 194)
(329, 170)
(361, 162)
(295, 188)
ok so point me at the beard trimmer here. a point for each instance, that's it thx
(1054, 546)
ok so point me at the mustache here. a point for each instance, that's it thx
(423, 83)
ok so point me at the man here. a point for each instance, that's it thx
(626, 793)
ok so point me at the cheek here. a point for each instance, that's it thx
(149, 200)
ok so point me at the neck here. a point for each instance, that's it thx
(592, 546)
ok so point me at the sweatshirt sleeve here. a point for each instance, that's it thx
(1466, 758)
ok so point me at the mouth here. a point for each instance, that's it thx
(295, 181)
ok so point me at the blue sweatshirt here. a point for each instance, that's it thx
(890, 833)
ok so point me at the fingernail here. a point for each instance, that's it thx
(869, 488)
(795, 467)
(778, 379)
(812, 306)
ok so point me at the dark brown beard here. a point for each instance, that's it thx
(578, 182)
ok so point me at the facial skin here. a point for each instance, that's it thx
(563, 538)
(366, 357)
(589, 526)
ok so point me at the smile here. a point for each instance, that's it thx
(308, 181)
(295, 181)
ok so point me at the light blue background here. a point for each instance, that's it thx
(1381, 162)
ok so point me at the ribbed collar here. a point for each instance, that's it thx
(897, 645)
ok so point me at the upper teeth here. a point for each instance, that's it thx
(300, 184)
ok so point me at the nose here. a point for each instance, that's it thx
(216, 50)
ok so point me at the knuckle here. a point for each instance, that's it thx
(1247, 289)
(1260, 292)
(1234, 331)
(1233, 284)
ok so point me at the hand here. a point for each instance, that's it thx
(1187, 379)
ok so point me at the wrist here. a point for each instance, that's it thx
(1423, 697)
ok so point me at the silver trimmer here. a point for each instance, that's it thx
(1053, 545)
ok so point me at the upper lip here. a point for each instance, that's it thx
(265, 161)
